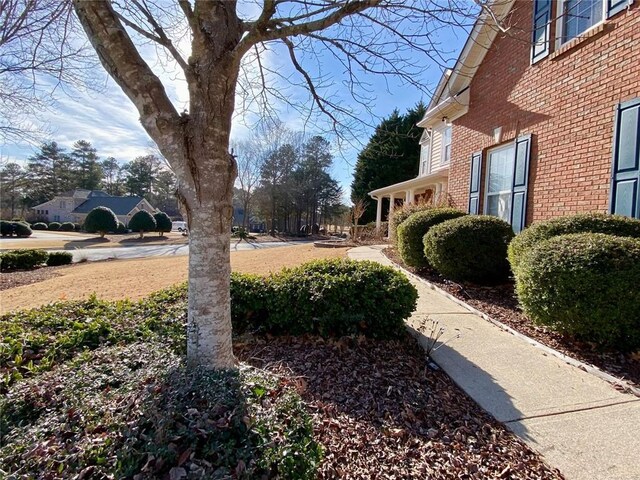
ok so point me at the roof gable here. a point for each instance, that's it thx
(119, 205)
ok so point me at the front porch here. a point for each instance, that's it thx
(425, 188)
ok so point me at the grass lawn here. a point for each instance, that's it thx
(137, 278)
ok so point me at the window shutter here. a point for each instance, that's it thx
(520, 183)
(616, 6)
(474, 183)
(541, 29)
(625, 176)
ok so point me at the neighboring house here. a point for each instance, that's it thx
(74, 206)
(542, 128)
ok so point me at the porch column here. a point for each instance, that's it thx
(379, 215)
(392, 201)
(411, 196)
(406, 197)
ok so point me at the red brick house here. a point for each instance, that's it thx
(542, 119)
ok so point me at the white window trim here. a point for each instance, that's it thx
(425, 159)
(485, 206)
(560, 24)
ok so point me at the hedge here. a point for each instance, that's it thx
(471, 248)
(340, 297)
(55, 226)
(584, 285)
(121, 229)
(22, 229)
(401, 213)
(67, 227)
(581, 223)
(22, 259)
(6, 228)
(101, 220)
(59, 258)
(413, 229)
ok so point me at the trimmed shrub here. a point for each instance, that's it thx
(22, 229)
(77, 227)
(250, 295)
(101, 220)
(340, 297)
(141, 222)
(121, 229)
(581, 223)
(55, 226)
(584, 285)
(59, 258)
(401, 213)
(39, 226)
(22, 259)
(67, 227)
(413, 229)
(163, 223)
(472, 248)
(6, 228)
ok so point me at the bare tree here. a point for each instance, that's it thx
(39, 49)
(357, 211)
(224, 65)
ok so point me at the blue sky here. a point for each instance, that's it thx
(106, 118)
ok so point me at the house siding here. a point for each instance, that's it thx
(567, 103)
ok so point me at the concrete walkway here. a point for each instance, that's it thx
(580, 423)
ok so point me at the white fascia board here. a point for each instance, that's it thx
(417, 182)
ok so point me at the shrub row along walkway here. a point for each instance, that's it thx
(579, 422)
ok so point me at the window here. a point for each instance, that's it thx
(446, 145)
(63, 204)
(425, 153)
(579, 16)
(507, 178)
(625, 180)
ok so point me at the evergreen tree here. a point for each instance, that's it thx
(141, 175)
(49, 172)
(392, 155)
(88, 171)
(12, 183)
(112, 176)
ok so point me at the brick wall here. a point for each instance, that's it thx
(566, 101)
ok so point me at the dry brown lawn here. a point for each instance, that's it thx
(136, 278)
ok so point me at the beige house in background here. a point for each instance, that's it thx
(73, 206)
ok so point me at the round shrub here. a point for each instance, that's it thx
(401, 213)
(67, 227)
(24, 259)
(142, 221)
(6, 228)
(121, 229)
(340, 297)
(101, 220)
(411, 231)
(470, 249)
(584, 285)
(581, 223)
(250, 296)
(55, 226)
(39, 226)
(59, 258)
(163, 223)
(77, 227)
(22, 229)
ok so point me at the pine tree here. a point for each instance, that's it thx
(392, 155)
(86, 166)
(49, 172)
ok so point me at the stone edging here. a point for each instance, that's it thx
(591, 369)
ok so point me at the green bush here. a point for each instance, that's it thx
(67, 227)
(22, 229)
(581, 223)
(77, 227)
(22, 259)
(101, 220)
(585, 285)
(401, 213)
(141, 222)
(121, 229)
(163, 222)
(55, 226)
(472, 248)
(6, 228)
(340, 297)
(413, 229)
(59, 258)
(39, 226)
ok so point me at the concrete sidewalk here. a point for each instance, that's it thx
(580, 423)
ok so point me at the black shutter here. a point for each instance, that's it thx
(625, 175)
(520, 183)
(541, 29)
(616, 6)
(474, 183)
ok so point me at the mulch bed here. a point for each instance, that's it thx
(500, 303)
(381, 414)
(27, 277)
